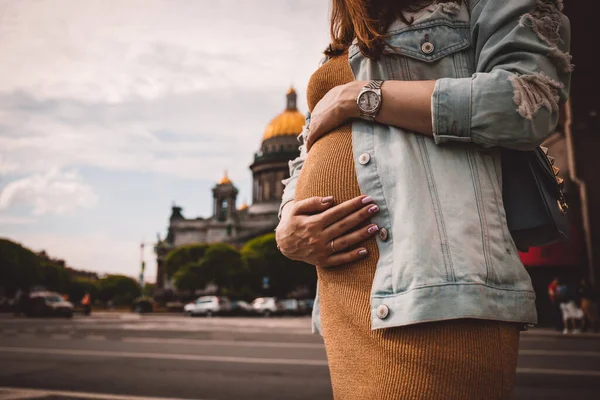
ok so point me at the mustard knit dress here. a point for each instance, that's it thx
(458, 359)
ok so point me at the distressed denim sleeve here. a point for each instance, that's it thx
(523, 72)
(295, 166)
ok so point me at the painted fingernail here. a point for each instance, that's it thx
(363, 252)
(327, 199)
(373, 229)
(373, 209)
(367, 200)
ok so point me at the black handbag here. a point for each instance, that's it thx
(536, 210)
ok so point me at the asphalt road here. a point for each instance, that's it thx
(125, 357)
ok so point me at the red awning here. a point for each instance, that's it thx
(556, 254)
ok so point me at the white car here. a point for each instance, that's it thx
(267, 306)
(208, 306)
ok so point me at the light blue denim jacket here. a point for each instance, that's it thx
(445, 252)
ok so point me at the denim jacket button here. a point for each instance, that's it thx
(383, 234)
(364, 158)
(427, 48)
(382, 311)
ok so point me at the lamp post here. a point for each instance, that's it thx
(143, 265)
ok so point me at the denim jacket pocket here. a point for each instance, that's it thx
(431, 50)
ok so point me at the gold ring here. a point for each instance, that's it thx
(332, 246)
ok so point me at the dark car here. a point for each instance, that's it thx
(48, 304)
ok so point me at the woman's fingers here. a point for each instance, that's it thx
(350, 240)
(345, 257)
(312, 205)
(341, 211)
(351, 221)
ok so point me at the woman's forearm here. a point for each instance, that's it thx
(406, 104)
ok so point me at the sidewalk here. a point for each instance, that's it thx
(549, 332)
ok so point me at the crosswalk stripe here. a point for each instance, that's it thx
(236, 343)
(560, 353)
(21, 393)
(549, 371)
(162, 356)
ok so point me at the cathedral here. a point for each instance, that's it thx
(228, 222)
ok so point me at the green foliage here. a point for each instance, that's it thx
(149, 288)
(221, 265)
(79, 287)
(183, 255)
(22, 268)
(189, 277)
(122, 290)
(19, 266)
(54, 277)
(262, 258)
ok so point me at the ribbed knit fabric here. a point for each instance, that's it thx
(459, 359)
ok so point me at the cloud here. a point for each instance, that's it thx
(185, 136)
(14, 220)
(182, 89)
(111, 51)
(96, 84)
(51, 193)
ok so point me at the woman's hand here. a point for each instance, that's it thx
(316, 233)
(334, 109)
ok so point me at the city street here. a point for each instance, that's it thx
(127, 356)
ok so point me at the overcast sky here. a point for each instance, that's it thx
(111, 110)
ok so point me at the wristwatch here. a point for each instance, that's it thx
(369, 100)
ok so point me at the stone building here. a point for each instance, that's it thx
(228, 222)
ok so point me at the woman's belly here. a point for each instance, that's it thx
(345, 290)
(329, 168)
(329, 171)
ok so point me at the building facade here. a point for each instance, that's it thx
(575, 146)
(228, 222)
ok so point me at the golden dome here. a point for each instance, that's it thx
(244, 206)
(289, 122)
(225, 180)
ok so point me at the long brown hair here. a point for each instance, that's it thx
(367, 21)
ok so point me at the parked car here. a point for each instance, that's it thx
(208, 306)
(306, 306)
(241, 308)
(290, 306)
(267, 306)
(143, 305)
(48, 304)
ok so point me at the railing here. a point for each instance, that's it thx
(276, 156)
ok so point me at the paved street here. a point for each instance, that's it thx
(125, 357)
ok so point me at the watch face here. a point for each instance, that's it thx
(368, 101)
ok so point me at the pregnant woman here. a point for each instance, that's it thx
(396, 197)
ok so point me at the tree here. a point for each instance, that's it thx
(183, 255)
(122, 290)
(24, 269)
(221, 265)
(263, 259)
(19, 267)
(188, 277)
(80, 286)
(149, 288)
(54, 277)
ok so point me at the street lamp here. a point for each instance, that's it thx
(143, 263)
